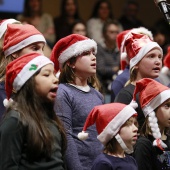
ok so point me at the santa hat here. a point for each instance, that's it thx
(134, 44)
(151, 95)
(71, 46)
(4, 23)
(22, 69)
(166, 62)
(19, 36)
(109, 118)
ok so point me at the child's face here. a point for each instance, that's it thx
(151, 64)
(128, 132)
(85, 65)
(163, 114)
(46, 83)
(35, 47)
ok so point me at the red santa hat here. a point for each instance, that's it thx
(71, 46)
(22, 69)
(19, 36)
(4, 23)
(109, 118)
(166, 62)
(134, 44)
(151, 95)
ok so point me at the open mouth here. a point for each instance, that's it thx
(156, 69)
(94, 65)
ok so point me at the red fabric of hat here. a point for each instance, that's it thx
(130, 42)
(19, 36)
(70, 46)
(108, 118)
(150, 91)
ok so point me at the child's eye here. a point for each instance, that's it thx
(167, 105)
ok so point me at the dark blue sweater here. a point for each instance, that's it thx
(107, 162)
(73, 106)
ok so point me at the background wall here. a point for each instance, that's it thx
(148, 13)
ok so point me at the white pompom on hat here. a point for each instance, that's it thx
(109, 118)
(22, 69)
(71, 46)
(4, 23)
(19, 36)
(151, 95)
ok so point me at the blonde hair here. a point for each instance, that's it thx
(133, 75)
(4, 61)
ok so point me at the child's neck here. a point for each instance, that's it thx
(119, 153)
(80, 81)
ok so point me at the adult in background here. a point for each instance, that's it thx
(68, 15)
(108, 59)
(101, 13)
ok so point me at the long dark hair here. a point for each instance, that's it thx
(27, 9)
(97, 6)
(63, 11)
(35, 114)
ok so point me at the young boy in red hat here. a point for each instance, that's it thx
(31, 135)
(152, 150)
(77, 94)
(116, 125)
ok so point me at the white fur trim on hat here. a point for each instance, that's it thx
(3, 26)
(155, 102)
(24, 43)
(115, 124)
(143, 30)
(26, 73)
(142, 52)
(164, 70)
(77, 49)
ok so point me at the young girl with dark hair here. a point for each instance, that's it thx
(31, 135)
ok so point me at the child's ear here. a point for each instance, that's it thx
(15, 55)
(70, 65)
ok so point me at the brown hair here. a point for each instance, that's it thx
(68, 76)
(35, 114)
(111, 146)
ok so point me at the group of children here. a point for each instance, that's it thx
(51, 123)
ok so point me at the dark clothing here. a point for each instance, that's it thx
(125, 96)
(107, 162)
(13, 147)
(106, 61)
(149, 157)
(130, 23)
(119, 83)
(62, 28)
(2, 97)
(73, 106)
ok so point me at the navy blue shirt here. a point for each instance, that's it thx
(107, 162)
